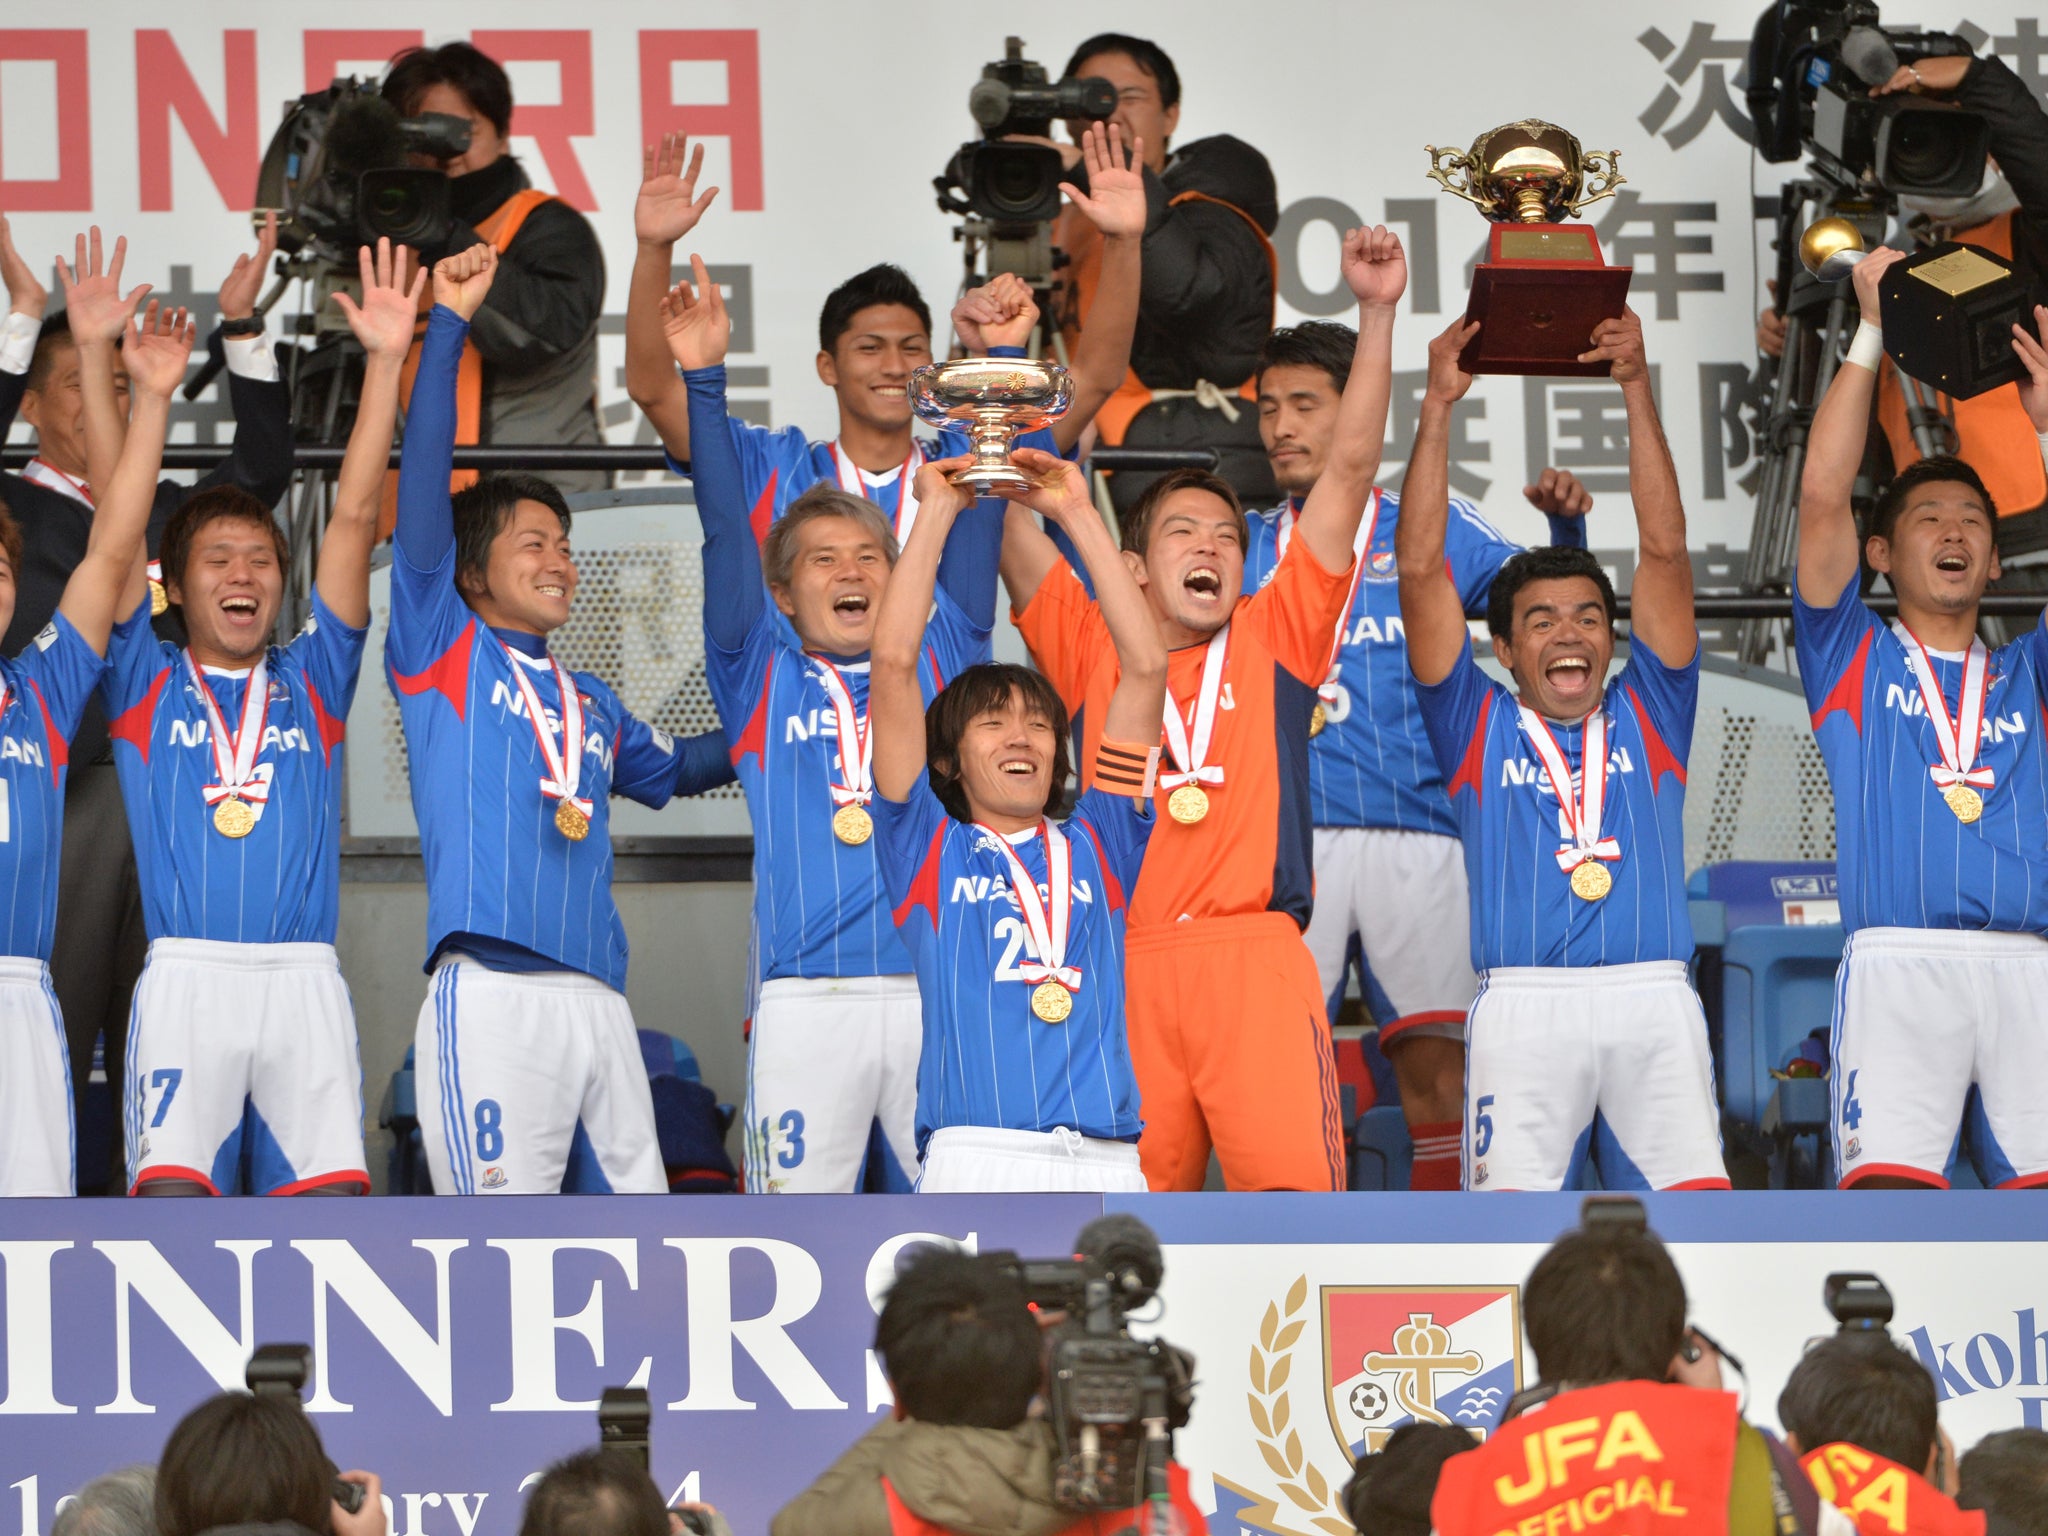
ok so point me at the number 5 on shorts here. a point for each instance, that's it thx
(1482, 1126)
(166, 1078)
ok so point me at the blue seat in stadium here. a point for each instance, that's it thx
(1777, 987)
(406, 1173)
(1382, 1157)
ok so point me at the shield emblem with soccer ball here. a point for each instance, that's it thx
(1392, 1355)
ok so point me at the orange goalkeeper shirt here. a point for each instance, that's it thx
(1252, 852)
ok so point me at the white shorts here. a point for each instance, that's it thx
(37, 1147)
(242, 1060)
(829, 1060)
(1922, 1015)
(975, 1160)
(1404, 895)
(530, 1083)
(1610, 1060)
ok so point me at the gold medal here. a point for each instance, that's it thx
(159, 600)
(1317, 719)
(1188, 804)
(1051, 1002)
(234, 818)
(570, 821)
(1590, 881)
(852, 825)
(1964, 801)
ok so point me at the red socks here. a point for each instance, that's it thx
(1436, 1154)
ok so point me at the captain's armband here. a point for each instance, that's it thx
(1124, 769)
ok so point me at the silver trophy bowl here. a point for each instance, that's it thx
(992, 399)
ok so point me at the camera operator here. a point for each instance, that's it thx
(529, 372)
(2005, 1475)
(1860, 1411)
(1629, 1416)
(962, 1451)
(1209, 274)
(55, 372)
(2008, 216)
(608, 1493)
(253, 1460)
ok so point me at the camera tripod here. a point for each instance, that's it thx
(1819, 319)
(1026, 250)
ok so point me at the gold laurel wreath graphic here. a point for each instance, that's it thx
(1300, 1482)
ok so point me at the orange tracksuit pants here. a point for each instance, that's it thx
(1230, 1039)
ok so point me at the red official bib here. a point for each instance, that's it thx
(1883, 1498)
(1634, 1458)
(903, 1522)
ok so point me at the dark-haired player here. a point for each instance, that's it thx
(1014, 909)
(242, 1042)
(1586, 1036)
(1933, 746)
(1227, 1024)
(529, 1067)
(874, 332)
(1389, 873)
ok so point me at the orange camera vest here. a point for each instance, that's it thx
(1883, 1498)
(1634, 1458)
(1996, 435)
(903, 1522)
(498, 228)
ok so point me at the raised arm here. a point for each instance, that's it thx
(383, 324)
(1834, 450)
(1029, 556)
(26, 300)
(260, 459)
(109, 582)
(1062, 495)
(1660, 606)
(1431, 612)
(895, 703)
(667, 208)
(426, 518)
(1377, 272)
(99, 319)
(695, 333)
(1115, 204)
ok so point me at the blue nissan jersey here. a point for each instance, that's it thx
(1903, 858)
(819, 906)
(1523, 910)
(498, 867)
(1371, 765)
(282, 883)
(48, 687)
(988, 1060)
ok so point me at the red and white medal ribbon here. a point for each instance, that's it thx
(1190, 754)
(1578, 813)
(1361, 542)
(1960, 737)
(856, 741)
(40, 471)
(852, 482)
(564, 762)
(1046, 929)
(234, 756)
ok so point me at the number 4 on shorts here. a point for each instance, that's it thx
(1852, 1112)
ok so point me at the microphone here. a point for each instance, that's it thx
(1125, 1247)
(1869, 55)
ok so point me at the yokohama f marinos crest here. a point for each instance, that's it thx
(1390, 1355)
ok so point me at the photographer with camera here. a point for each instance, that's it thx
(1859, 1409)
(529, 370)
(607, 1492)
(965, 1357)
(1210, 274)
(1628, 1423)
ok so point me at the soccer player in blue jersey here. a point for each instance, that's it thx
(1933, 747)
(529, 1066)
(1586, 1036)
(242, 1072)
(43, 693)
(1389, 873)
(1012, 906)
(874, 332)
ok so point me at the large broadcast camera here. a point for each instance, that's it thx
(1113, 1401)
(1009, 194)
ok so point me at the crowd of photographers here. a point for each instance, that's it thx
(1025, 1407)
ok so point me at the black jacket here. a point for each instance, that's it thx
(537, 329)
(2019, 143)
(54, 528)
(1207, 302)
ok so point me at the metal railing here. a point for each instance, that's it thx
(587, 456)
